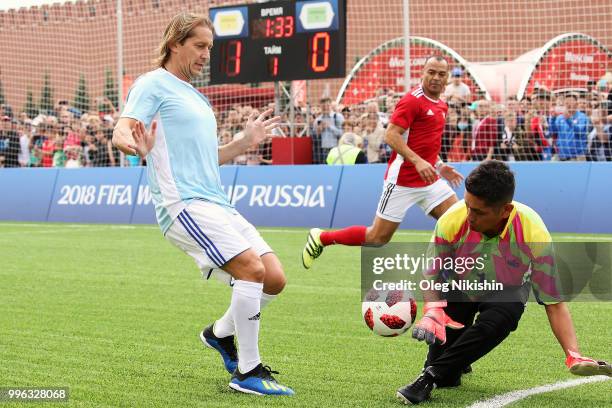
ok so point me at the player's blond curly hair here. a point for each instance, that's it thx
(179, 29)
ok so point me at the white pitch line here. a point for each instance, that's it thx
(428, 234)
(503, 400)
(582, 237)
(265, 230)
(53, 231)
(75, 226)
(52, 225)
(24, 224)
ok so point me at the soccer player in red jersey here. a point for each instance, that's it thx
(413, 173)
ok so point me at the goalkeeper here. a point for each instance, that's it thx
(488, 217)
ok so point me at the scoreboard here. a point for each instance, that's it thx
(278, 41)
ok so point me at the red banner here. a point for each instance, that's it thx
(385, 71)
(570, 64)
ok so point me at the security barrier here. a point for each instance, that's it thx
(570, 197)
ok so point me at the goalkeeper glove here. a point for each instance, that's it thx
(433, 324)
(579, 365)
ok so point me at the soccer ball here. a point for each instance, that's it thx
(389, 313)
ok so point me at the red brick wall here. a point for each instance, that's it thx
(73, 40)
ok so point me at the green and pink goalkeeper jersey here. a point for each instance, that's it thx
(522, 253)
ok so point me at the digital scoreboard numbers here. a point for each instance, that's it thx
(278, 41)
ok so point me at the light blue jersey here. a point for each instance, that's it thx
(184, 163)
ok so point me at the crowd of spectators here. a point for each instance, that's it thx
(64, 137)
(541, 126)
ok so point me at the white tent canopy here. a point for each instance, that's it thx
(515, 78)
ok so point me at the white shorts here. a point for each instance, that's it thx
(396, 200)
(212, 235)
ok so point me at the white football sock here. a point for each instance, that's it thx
(225, 325)
(265, 299)
(245, 308)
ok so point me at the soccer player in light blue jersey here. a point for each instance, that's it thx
(194, 213)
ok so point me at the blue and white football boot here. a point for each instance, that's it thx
(224, 345)
(259, 381)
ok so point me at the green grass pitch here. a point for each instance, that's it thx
(114, 313)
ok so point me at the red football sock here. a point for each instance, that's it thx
(352, 236)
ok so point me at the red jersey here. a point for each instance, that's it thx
(48, 148)
(485, 136)
(538, 131)
(424, 119)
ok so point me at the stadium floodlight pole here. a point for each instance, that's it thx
(120, 68)
(406, 46)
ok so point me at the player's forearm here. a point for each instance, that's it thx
(232, 149)
(397, 143)
(562, 326)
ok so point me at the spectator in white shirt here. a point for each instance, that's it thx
(24, 145)
(457, 91)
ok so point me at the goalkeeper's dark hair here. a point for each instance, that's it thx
(493, 182)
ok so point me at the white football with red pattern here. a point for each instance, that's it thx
(389, 313)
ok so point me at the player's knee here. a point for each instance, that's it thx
(252, 270)
(256, 271)
(275, 283)
(377, 239)
(490, 329)
(496, 330)
(280, 281)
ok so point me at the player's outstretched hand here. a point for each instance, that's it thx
(143, 140)
(449, 173)
(258, 127)
(426, 171)
(432, 326)
(579, 365)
